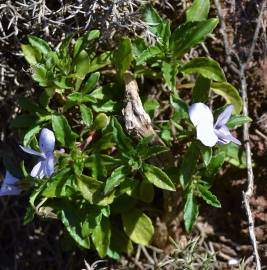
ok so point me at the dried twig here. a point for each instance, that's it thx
(148, 257)
(243, 66)
(95, 265)
(249, 192)
(261, 134)
(137, 121)
(223, 30)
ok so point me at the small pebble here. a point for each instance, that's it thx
(233, 262)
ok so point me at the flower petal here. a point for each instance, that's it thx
(9, 191)
(38, 170)
(49, 165)
(225, 136)
(224, 117)
(200, 113)
(206, 134)
(9, 185)
(46, 140)
(31, 151)
(10, 179)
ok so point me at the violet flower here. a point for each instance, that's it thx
(45, 165)
(9, 185)
(208, 133)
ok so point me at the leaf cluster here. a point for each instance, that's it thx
(104, 180)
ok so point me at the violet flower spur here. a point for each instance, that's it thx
(208, 133)
(45, 165)
(9, 185)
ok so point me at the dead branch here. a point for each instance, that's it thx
(137, 121)
(249, 192)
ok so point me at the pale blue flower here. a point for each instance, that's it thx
(10, 185)
(208, 133)
(45, 165)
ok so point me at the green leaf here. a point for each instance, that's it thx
(104, 143)
(64, 47)
(153, 19)
(97, 166)
(78, 160)
(157, 25)
(101, 237)
(116, 178)
(190, 34)
(122, 57)
(30, 54)
(238, 121)
(40, 75)
(149, 151)
(123, 203)
(45, 97)
(39, 44)
(61, 84)
(105, 106)
(90, 220)
(119, 241)
(166, 134)
(214, 165)
(106, 211)
(30, 135)
(138, 46)
(71, 217)
(101, 121)
(138, 226)
(229, 93)
(146, 191)
(198, 11)
(62, 130)
(100, 61)
(93, 34)
(201, 89)
(84, 40)
(37, 191)
(82, 63)
(205, 66)
(92, 190)
(169, 72)
(90, 83)
(87, 115)
(148, 54)
(180, 107)
(189, 164)
(130, 187)
(29, 215)
(122, 140)
(98, 93)
(113, 254)
(190, 211)
(165, 34)
(150, 106)
(77, 97)
(206, 153)
(157, 177)
(108, 161)
(59, 185)
(234, 154)
(208, 197)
